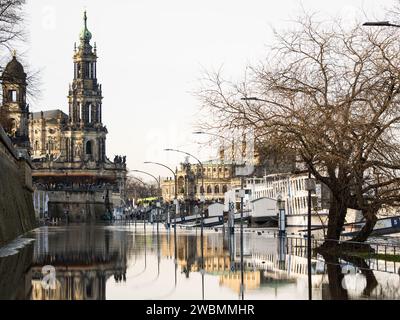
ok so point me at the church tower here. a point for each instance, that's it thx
(80, 181)
(14, 113)
(87, 134)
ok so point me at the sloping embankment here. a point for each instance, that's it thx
(17, 214)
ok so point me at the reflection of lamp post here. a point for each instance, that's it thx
(176, 191)
(241, 194)
(202, 200)
(281, 231)
(309, 186)
(281, 216)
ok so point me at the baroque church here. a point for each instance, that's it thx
(72, 176)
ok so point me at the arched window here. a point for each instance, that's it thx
(89, 147)
(36, 145)
(224, 188)
(209, 190)
(216, 189)
(201, 189)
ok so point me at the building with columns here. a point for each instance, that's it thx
(218, 178)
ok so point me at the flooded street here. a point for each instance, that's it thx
(124, 261)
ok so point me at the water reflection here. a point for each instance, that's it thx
(359, 277)
(84, 259)
(15, 280)
(137, 262)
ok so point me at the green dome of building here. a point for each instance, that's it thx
(85, 34)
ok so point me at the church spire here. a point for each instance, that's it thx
(85, 35)
(85, 93)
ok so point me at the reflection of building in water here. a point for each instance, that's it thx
(75, 283)
(268, 263)
(217, 259)
(84, 258)
(252, 280)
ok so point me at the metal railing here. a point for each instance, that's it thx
(377, 259)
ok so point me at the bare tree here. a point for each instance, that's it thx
(136, 189)
(12, 31)
(11, 17)
(331, 96)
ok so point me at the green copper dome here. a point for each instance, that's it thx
(85, 33)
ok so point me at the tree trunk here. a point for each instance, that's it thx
(335, 279)
(370, 221)
(337, 215)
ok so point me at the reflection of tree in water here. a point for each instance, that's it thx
(335, 278)
(189, 254)
(366, 272)
(337, 290)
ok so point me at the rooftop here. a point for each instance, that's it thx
(49, 114)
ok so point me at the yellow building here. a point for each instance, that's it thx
(218, 178)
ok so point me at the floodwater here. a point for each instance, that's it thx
(128, 261)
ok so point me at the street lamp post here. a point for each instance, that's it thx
(241, 195)
(176, 195)
(230, 223)
(159, 190)
(202, 200)
(141, 181)
(310, 183)
(281, 216)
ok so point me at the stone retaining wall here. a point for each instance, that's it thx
(16, 204)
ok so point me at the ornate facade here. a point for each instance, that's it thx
(218, 178)
(14, 112)
(72, 175)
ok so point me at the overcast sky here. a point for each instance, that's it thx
(151, 54)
